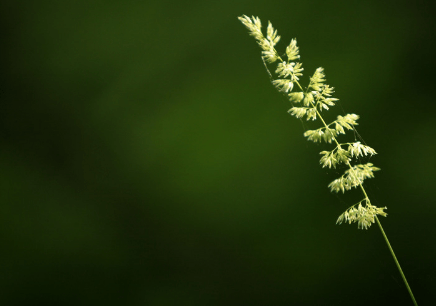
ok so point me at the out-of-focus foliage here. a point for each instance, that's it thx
(145, 159)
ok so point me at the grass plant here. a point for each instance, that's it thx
(309, 104)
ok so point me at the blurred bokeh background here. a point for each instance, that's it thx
(145, 158)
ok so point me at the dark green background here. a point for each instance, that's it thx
(145, 159)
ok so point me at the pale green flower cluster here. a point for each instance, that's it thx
(309, 103)
(267, 43)
(339, 155)
(353, 177)
(363, 215)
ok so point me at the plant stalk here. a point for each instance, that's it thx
(396, 262)
(361, 186)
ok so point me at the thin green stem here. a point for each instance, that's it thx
(361, 187)
(396, 262)
(378, 222)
